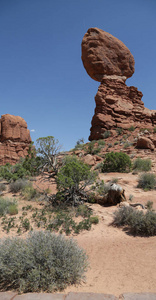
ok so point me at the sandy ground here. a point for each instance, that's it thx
(119, 262)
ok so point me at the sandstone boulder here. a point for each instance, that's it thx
(89, 160)
(144, 143)
(14, 139)
(103, 54)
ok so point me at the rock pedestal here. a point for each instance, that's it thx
(14, 139)
(119, 106)
(108, 60)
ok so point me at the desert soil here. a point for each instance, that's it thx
(119, 262)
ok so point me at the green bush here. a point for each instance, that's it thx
(18, 185)
(132, 128)
(98, 166)
(83, 211)
(12, 209)
(94, 220)
(147, 181)
(149, 205)
(142, 164)
(106, 134)
(41, 262)
(13, 173)
(29, 192)
(119, 131)
(101, 143)
(154, 130)
(32, 162)
(116, 162)
(138, 223)
(90, 149)
(72, 179)
(127, 144)
(2, 187)
(7, 206)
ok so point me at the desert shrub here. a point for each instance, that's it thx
(5, 172)
(119, 130)
(79, 144)
(116, 162)
(147, 181)
(41, 262)
(2, 187)
(132, 128)
(127, 144)
(149, 205)
(7, 206)
(101, 143)
(18, 185)
(98, 166)
(114, 180)
(109, 145)
(142, 164)
(26, 224)
(138, 223)
(145, 130)
(106, 134)
(100, 187)
(18, 171)
(72, 179)
(131, 197)
(83, 211)
(12, 209)
(122, 216)
(32, 162)
(13, 173)
(94, 220)
(29, 192)
(90, 149)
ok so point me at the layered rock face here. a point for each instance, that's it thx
(14, 139)
(108, 60)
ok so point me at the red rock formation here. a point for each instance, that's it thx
(119, 106)
(103, 54)
(14, 139)
(108, 60)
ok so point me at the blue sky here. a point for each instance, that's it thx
(42, 78)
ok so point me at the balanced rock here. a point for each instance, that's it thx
(14, 139)
(103, 54)
(108, 60)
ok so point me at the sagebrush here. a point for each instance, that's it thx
(41, 262)
(140, 164)
(147, 181)
(137, 222)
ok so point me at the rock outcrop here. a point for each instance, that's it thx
(14, 139)
(108, 60)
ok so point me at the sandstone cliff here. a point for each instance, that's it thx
(14, 139)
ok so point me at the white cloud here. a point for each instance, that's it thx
(32, 130)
